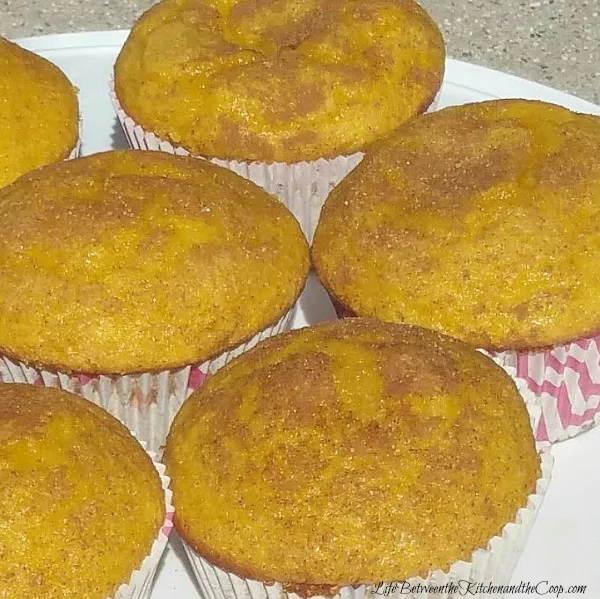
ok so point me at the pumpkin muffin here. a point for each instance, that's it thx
(141, 262)
(76, 521)
(347, 454)
(480, 221)
(286, 82)
(278, 81)
(39, 113)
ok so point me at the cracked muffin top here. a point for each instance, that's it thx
(350, 453)
(279, 80)
(39, 112)
(479, 221)
(132, 261)
(81, 501)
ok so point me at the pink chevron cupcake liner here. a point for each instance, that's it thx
(565, 381)
(146, 403)
(302, 186)
(139, 585)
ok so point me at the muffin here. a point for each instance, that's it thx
(285, 93)
(39, 113)
(128, 276)
(85, 512)
(481, 221)
(355, 452)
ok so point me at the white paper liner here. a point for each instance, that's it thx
(146, 403)
(493, 565)
(76, 150)
(139, 585)
(302, 186)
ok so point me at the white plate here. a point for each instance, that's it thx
(564, 547)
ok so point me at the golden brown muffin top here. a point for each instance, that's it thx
(279, 80)
(140, 261)
(480, 221)
(349, 453)
(81, 501)
(39, 113)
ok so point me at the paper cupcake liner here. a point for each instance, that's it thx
(76, 150)
(565, 381)
(146, 403)
(302, 186)
(491, 566)
(139, 585)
